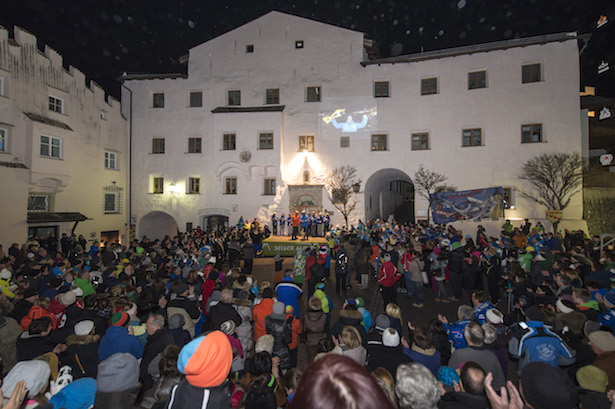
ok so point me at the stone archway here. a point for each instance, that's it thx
(389, 192)
(156, 225)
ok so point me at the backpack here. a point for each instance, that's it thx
(342, 262)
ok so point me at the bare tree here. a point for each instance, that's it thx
(554, 178)
(427, 184)
(340, 183)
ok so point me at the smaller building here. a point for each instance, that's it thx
(63, 148)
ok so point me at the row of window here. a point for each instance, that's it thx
(41, 202)
(51, 147)
(379, 142)
(230, 186)
(382, 89)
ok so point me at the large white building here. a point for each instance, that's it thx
(263, 115)
(63, 148)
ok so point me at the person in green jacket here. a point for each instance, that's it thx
(83, 281)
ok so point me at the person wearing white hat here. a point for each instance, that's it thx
(81, 354)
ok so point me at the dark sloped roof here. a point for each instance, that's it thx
(266, 108)
(15, 165)
(46, 120)
(53, 217)
(150, 76)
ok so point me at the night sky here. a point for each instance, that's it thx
(104, 38)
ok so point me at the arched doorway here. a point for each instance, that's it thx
(156, 225)
(389, 192)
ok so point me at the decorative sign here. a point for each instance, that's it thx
(245, 156)
(214, 210)
(601, 21)
(605, 113)
(235, 208)
(93, 234)
(606, 159)
(603, 67)
(554, 215)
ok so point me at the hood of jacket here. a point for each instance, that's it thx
(350, 317)
(314, 315)
(82, 339)
(114, 333)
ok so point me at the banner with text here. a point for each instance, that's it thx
(476, 205)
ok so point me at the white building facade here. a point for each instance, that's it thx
(63, 148)
(267, 110)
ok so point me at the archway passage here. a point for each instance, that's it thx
(389, 192)
(156, 225)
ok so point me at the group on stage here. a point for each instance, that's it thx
(307, 224)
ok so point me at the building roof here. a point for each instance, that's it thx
(150, 76)
(14, 165)
(476, 48)
(265, 108)
(53, 217)
(46, 120)
(595, 102)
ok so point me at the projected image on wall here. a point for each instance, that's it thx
(350, 121)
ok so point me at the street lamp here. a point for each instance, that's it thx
(356, 188)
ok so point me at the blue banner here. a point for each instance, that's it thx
(476, 205)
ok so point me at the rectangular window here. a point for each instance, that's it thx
(158, 100)
(306, 143)
(234, 98)
(345, 142)
(420, 141)
(228, 141)
(472, 137)
(194, 186)
(1, 86)
(299, 44)
(194, 145)
(38, 203)
(265, 141)
(3, 140)
(250, 48)
(381, 89)
(429, 86)
(56, 104)
(269, 187)
(273, 96)
(477, 80)
(158, 145)
(531, 133)
(507, 198)
(313, 94)
(196, 99)
(230, 186)
(112, 203)
(158, 185)
(530, 73)
(51, 147)
(379, 142)
(111, 160)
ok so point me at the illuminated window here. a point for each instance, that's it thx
(420, 141)
(306, 143)
(3, 140)
(194, 186)
(477, 80)
(112, 202)
(299, 44)
(234, 98)
(196, 99)
(273, 96)
(51, 147)
(230, 186)
(250, 48)
(228, 141)
(313, 94)
(472, 137)
(265, 140)
(158, 145)
(379, 142)
(531, 133)
(269, 187)
(56, 104)
(429, 86)
(531, 73)
(381, 89)
(158, 100)
(158, 185)
(194, 145)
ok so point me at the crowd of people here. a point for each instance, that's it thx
(183, 322)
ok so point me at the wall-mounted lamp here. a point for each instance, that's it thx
(173, 189)
(356, 187)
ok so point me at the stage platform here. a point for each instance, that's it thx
(288, 247)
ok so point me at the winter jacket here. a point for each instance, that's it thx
(486, 359)
(538, 343)
(244, 331)
(480, 312)
(314, 325)
(156, 343)
(455, 333)
(160, 393)
(32, 346)
(289, 292)
(281, 339)
(186, 396)
(117, 339)
(295, 330)
(324, 300)
(429, 358)
(220, 313)
(455, 260)
(387, 357)
(259, 312)
(82, 356)
(85, 285)
(206, 289)
(463, 400)
(367, 318)
(10, 332)
(415, 268)
(35, 313)
(389, 275)
(4, 287)
(358, 354)
(352, 318)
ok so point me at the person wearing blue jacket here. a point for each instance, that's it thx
(289, 292)
(118, 340)
(455, 331)
(304, 222)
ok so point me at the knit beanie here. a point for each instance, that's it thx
(84, 327)
(278, 310)
(592, 378)
(35, 373)
(206, 361)
(176, 321)
(360, 302)
(545, 387)
(382, 321)
(119, 319)
(390, 338)
(264, 344)
(603, 340)
(447, 375)
(117, 373)
(78, 394)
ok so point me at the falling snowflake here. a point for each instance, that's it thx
(191, 24)
(492, 28)
(481, 20)
(117, 19)
(440, 32)
(461, 4)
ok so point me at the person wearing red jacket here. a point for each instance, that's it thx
(207, 288)
(295, 224)
(387, 279)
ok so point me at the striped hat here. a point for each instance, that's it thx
(119, 319)
(206, 361)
